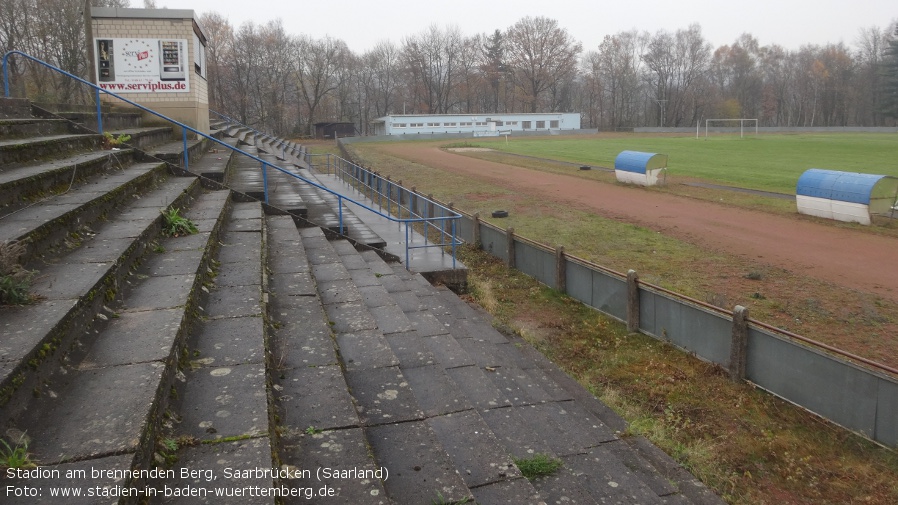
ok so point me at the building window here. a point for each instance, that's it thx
(480, 123)
(525, 125)
(468, 124)
(499, 123)
(540, 124)
(450, 125)
(511, 123)
(416, 125)
(553, 123)
(399, 125)
(433, 124)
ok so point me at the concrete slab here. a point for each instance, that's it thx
(364, 278)
(209, 461)
(99, 412)
(473, 382)
(435, 391)
(350, 470)
(447, 351)
(410, 349)
(101, 250)
(245, 273)
(564, 487)
(239, 247)
(350, 317)
(233, 301)
(62, 282)
(244, 225)
(643, 470)
(607, 479)
(420, 470)
(315, 397)
(365, 349)
(410, 302)
(227, 342)
(301, 337)
(509, 492)
(339, 291)
(574, 431)
(517, 385)
(290, 284)
(160, 293)
(426, 324)
(135, 337)
(478, 456)
(383, 396)
(225, 401)
(519, 438)
(182, 262)
(390, 319)
(23, 327)
(376, 296)
(328, 272)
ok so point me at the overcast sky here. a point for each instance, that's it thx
(361, 24)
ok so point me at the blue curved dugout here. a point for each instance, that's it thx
(834, 185)
(845, 196)
(640, 168)
(639, 162)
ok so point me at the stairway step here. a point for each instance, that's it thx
(130, 356)
(33, 127)
(24, 184)
(48, 224)
(19, 151)
(74, 288)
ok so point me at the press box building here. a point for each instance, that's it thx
(475, 124)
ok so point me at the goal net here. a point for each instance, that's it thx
(729, 126)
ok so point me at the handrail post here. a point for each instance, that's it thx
(99, 111)
(6, 76)
(454, 242)
(186, 154)
(265, 180)
(340, 210)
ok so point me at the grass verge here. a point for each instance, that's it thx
(747, 445)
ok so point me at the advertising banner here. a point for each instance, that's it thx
(142, 65)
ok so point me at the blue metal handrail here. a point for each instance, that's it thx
(453, 217)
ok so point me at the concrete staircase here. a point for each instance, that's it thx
(261, 362)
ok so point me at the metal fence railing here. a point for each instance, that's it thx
(447, 215)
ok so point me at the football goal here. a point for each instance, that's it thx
(724, 122)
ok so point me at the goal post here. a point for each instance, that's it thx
(741, 121)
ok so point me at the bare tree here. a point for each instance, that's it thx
(431, 59)
(542, 55)
(318, 66)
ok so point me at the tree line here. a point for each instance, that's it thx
(285, 83)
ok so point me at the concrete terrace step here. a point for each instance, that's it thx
(110, 393)
(222, 400)
(49, 223)
(74, 287)
(446, 402)
(26, 183)
(315, 409)
(33, 127)
(28, 150)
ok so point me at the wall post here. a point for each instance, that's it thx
(632, 301)
(560, 270)
(509, 236)
(475, 239)
(739, 345)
